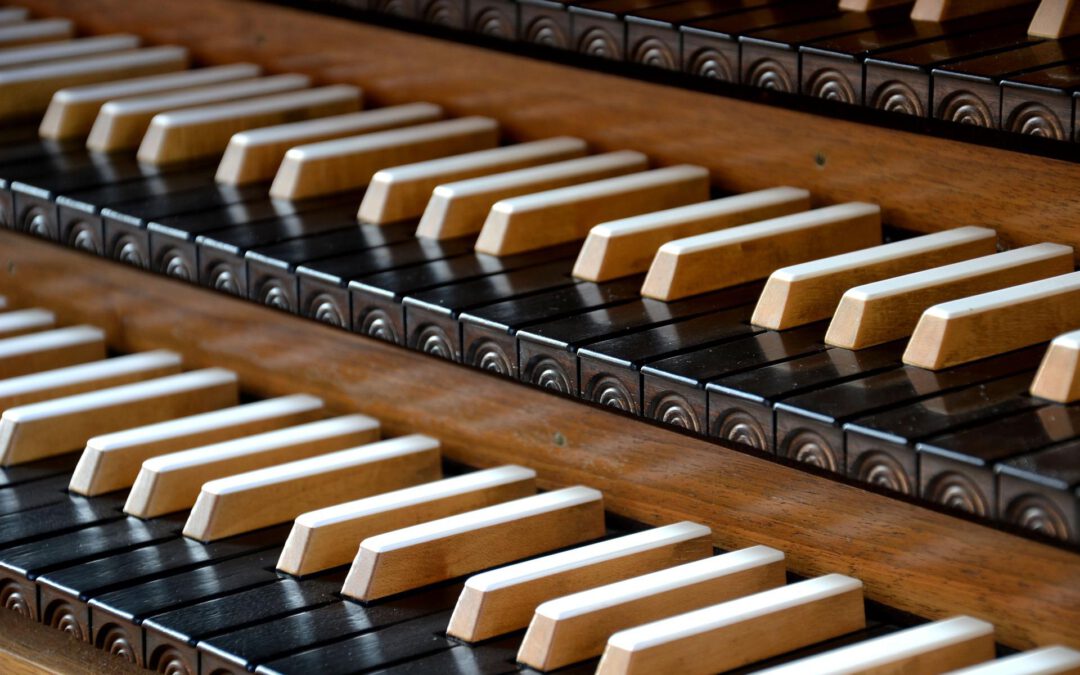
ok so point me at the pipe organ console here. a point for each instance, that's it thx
(616, 336)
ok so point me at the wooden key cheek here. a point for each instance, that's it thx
(1058, 378)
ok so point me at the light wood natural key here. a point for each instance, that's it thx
(61, 425)
(808, 292)
(23, 321)
(67, 49)
(882, 311)
(202, 132)
(1056, 19)
(708, 262)
(171, 482)
(121, 125)
(946, 10)
(994, 323)
(254, 156)
(248, 501)
(9, 15)
(402, 192)
(450, 547)
(503, 600)
(49, 349)
(60, 382)
(112, 461)
(739, 632)
(459, 208)
(621, 248)
(350, 163)
(27, 90)
(576, 627)
(1058, 378)
(32, 32)
(72, 111)
(331, 536)
(1055, 660)
(544, 219)
(924, 650)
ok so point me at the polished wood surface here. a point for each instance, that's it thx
(909, 557)
(922, 183)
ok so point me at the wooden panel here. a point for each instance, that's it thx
(922, 183)
(918, 560)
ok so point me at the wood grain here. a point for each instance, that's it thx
(920, 561)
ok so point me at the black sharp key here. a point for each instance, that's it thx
(234, 229)
(809, 426)
(376, 300)
(126, 236)
(116, 617)
(21, 565)
(488, 334)
(969, 91)
(1040, 103)
(611, 369)
(34, 494)
(324, 285)
(652, 35)
(42, 468)
(170, 637)
(881, 447)
(492, 18)
(72, 513)
(431, 317)
(547, 352)
(832, 68)
(673, 389)
(598, 28)
(64, 593)
(487, 658)
(545, 22)
(265, 642)
(770, 57)
(271, 270)
(711, 46)
(1040, 492)
(404, 642)
(741, 407)
(79, 213)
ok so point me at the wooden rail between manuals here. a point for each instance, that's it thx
(922, 183)
(917, 560)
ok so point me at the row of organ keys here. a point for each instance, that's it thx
(656, 255)
(216, 493)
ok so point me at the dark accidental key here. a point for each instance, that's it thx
(770, 57)
(898, 80)
(79, 213)
(610, 370)
(171, 637)
(42, 468)
(33, 494)
(489, 333)
(809, 427)
(741, 406)
(28, 168)
(969, 91)
(710, 47)
(126, 236)
(545, 23)
(1041, 103)
(324, 284)
(280, 638)
(1040, 492)
(881, 447)
(547, 352)
(376, 300)
(652, 34)
(599, 29)
(402, 642)
(431, 317)
(21, 565)
(65, 592)
(832, 68)
(116, 617)
(673, 389)
(271, 270)
(71, 513)
(177, 242)
(492, 657)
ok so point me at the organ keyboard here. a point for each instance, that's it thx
(878, 396)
